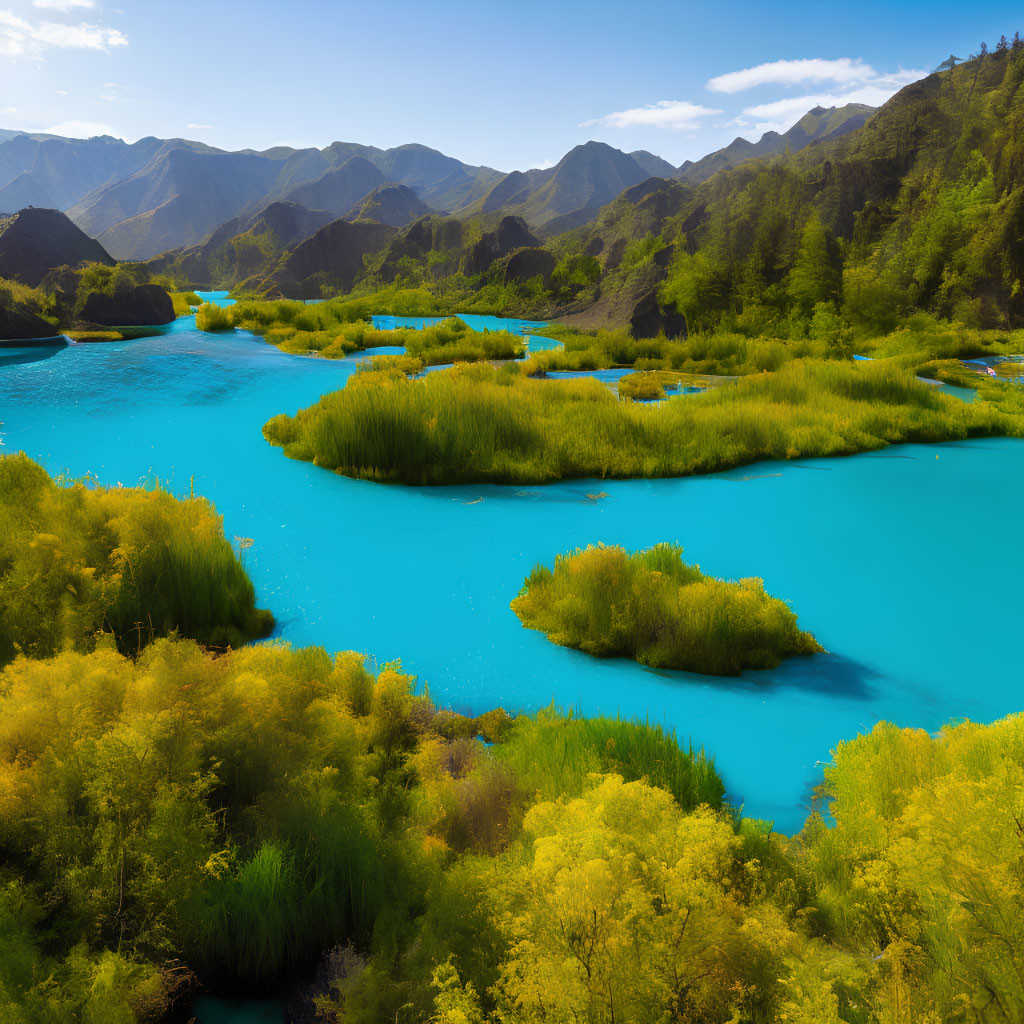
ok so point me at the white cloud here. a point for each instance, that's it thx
(673, 115)
(65, 5)
(546, 164)
(78, 37)
(107, 97)
(778, 115)
(19, 37)
(8, 110)
(199, 127)
(81, 129)
(844, 71)
(62, 92)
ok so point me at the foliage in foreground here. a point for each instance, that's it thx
(654, 608)
(236, 815)
(477, 424)
(242, 813)
(78, 563)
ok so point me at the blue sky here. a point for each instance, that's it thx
(511, 85)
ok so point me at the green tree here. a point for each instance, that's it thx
(817, 270)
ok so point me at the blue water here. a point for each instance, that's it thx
(477, 322)
(217, 298)
(870, 550)
(964, 394)
(982, 363)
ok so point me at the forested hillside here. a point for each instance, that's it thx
(920, 209)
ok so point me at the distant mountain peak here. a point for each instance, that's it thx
(818, 123)
(390, 203)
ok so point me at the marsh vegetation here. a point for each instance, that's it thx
(333, 330)
(654, 608)
(81, 565)
(478, 424)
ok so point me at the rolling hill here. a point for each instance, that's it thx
(34, 242)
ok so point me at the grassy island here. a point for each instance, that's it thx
(80, 563)
(475, 424)
(642, 386)
(324, 330)
(654, 608)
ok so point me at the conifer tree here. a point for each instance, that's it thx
(816, 275)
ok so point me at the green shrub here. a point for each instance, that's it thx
(211, 317)
(78, 562)
(554, 754)
(654, 608)
(643, 386)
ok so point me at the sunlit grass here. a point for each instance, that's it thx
(477, 424)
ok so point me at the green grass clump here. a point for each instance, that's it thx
(720, 353)
(475, 424)
(654, 608)
(642, 386)
(184, 302)
(96, 336)
(452, 341)
(211, 317)
(555, 754)
(79, 562)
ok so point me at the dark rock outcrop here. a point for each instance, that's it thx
(433, 234)
(511, 234)
(34, 242)
(526, 264)
(650, 319)
(331, 259)
(143, 306)
(17, 323)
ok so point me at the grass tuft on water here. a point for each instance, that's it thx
(654, 608)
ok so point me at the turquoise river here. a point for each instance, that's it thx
(906, 563)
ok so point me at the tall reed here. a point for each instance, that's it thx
(478, 424)
(79, 561)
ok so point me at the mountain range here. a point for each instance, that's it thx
(142, 199)
(853, 217)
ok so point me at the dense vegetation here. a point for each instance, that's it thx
(25, 312)
(654, 608)
(477, 424)
(185, 302)
(170, 815)
(232, 817)
(79, 563)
